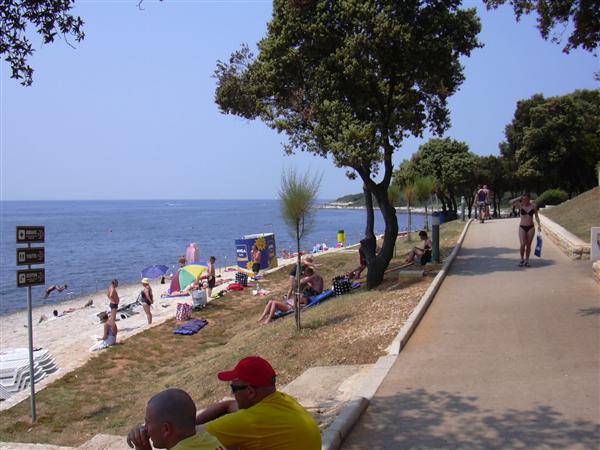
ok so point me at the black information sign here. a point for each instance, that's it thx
(26, 235)
(31, 277)
(34, 255)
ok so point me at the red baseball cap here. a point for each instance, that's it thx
(253, 370)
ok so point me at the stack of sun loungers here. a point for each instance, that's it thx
(14, 369)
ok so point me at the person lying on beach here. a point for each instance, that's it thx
(170, 422)
(56, 315)
(420, 255)
(110, 333)
(272, 307)
(54, 287)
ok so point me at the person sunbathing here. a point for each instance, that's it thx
(272, 307)
(306, 261)
(311, 285)
(110, 333)
(420, 255)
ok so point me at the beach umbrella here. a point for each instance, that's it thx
(187, 275)
(154, 271)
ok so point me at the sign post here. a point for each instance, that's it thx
(27, 278)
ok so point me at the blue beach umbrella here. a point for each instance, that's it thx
(154, 271)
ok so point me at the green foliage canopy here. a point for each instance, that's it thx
(555, 141)
(583, 15)
(49, 17)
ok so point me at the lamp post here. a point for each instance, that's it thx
(435, 237)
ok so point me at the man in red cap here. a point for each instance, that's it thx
(260, 417)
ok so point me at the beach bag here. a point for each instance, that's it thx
(538, 247)
(241, 278)
(341, 285)
(184, 312)
(199, 299)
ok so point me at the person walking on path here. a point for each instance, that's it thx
(480, 199)
(256, 256)
(147, 298)
(113, 297)
(527, 211)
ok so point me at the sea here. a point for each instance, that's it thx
(88, 243)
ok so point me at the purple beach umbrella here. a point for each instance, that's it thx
(154, 271)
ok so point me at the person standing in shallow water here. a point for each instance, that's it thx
(113, 297)
(527, 211)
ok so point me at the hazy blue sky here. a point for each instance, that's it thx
(129, 113)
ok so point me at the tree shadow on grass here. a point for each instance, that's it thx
(422, 419)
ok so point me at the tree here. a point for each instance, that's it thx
(297, 196)
(451, 165)
(555, 141)
(350, 80)
(49, 17)
(582, 15)
(423, 189)
(409, 196)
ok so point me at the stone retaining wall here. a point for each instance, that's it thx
(570, 244)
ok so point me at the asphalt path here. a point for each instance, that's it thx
(505, 357)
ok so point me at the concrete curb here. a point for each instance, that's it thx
(334, 435)
(341, 426)
(567, 242)
(415, 317)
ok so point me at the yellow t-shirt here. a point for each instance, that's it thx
(278, 422)
(201, 441)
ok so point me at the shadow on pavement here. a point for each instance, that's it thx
(422, 419)
(589, 312)
(493, 259)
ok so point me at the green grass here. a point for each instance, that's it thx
(579, 214)
(109, 393)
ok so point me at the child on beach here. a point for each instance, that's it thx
(211, 277)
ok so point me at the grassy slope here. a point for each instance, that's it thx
(579, 214)
(109, 393)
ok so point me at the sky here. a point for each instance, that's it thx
(130, 113)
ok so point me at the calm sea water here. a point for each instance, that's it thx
(90, 242)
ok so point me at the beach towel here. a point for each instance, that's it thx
(191, 327)
(174, 295)
(184, 312)
(316, 299)
(235, 287)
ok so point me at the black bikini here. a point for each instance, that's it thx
(531, 213)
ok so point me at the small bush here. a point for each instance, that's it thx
(551, 197)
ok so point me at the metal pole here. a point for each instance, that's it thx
(435, 237)
(30, 332)
(462, 207)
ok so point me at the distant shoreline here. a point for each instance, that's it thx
(399, 209)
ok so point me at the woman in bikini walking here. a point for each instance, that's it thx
(527, 210)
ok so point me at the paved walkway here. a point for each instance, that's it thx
(506, 357)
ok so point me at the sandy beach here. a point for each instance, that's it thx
(69, 337)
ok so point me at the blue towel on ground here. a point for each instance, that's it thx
(191, 327)
(316, 299)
